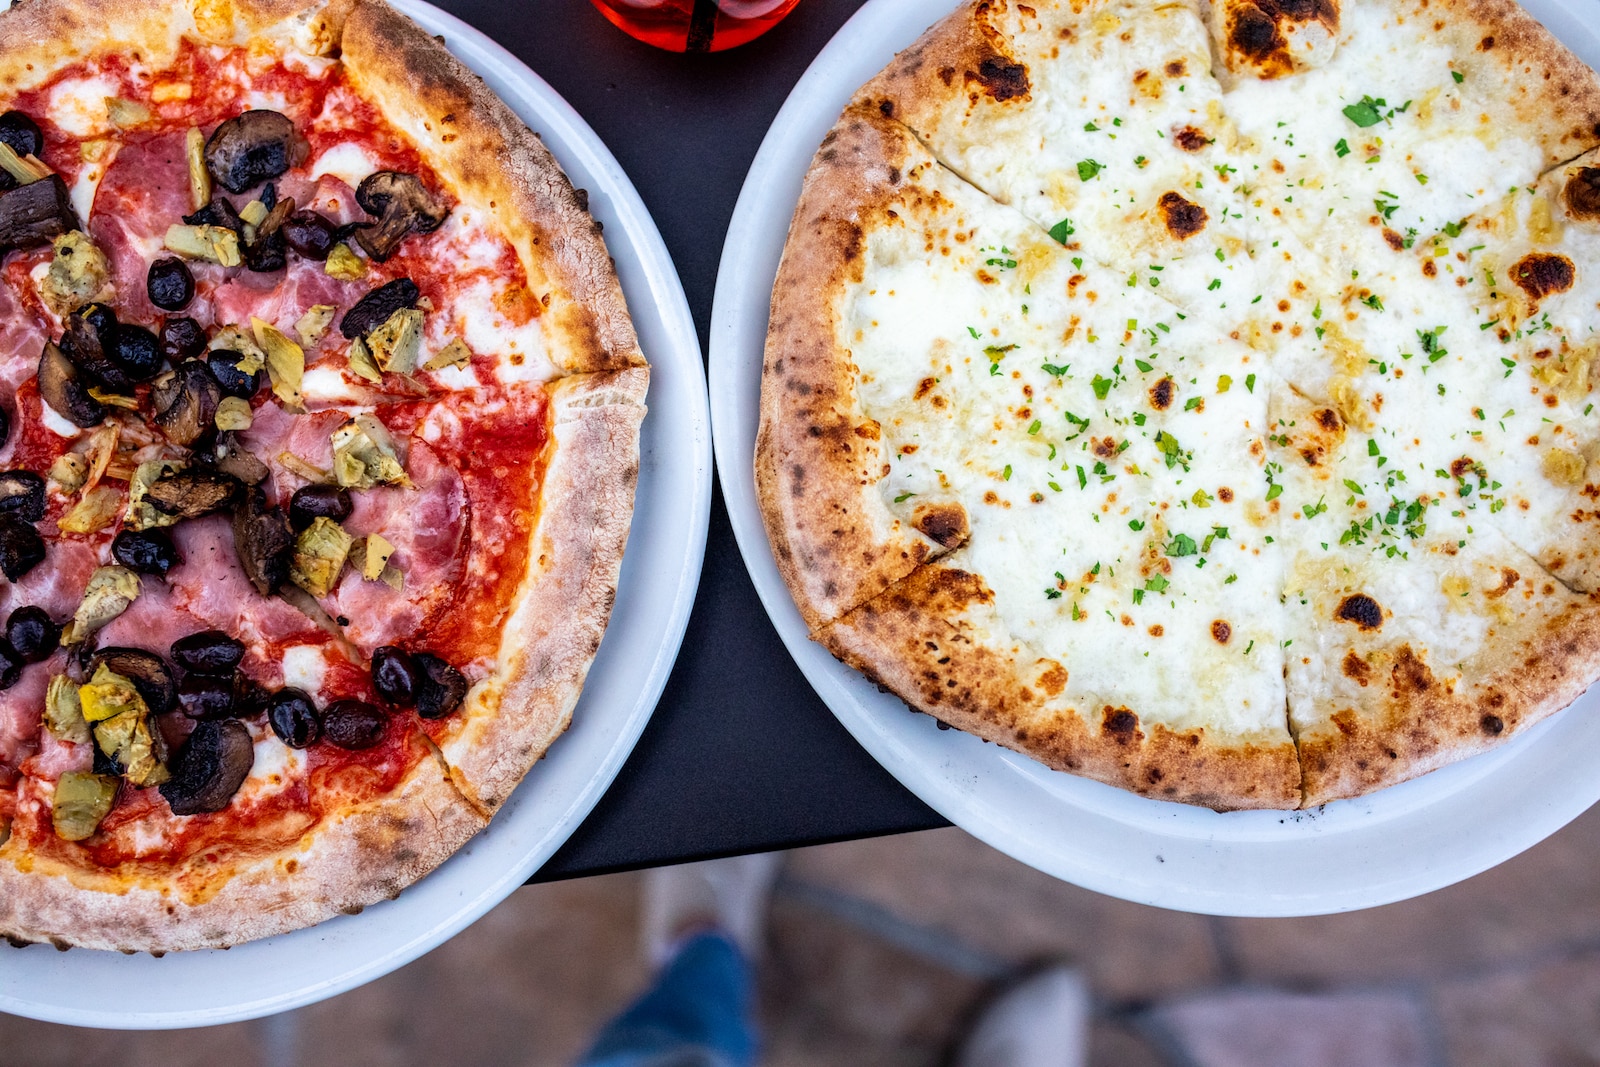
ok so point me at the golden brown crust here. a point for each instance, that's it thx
(818, 457)
(936, 640)
(554, 631)
(490, 158)
(1414, 715)
(365, 856)
(1533, 81)
(963, 63)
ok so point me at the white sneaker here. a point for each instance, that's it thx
(1042, 1022)
(729, 895)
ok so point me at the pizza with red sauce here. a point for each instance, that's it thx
(319, 430)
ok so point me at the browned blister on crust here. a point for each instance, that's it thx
(961, 65)
(493, 162)
(937, 641)
(360, 857)
(560, 615)
(1401, 713)
(1273, 38)
(819, 458)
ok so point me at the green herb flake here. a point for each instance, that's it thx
(1088, 168)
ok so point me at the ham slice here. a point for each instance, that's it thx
(428, 527)
(145, 190)
(211, 588)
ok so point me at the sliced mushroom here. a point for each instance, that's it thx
(263, 541)
(218, 212)
(22, 495)
(193, 492)
(231, 457)
(36, 214)
(251, 148)
(147, 671)
(186, 402)
(64, 389)
(210, 768)
(403, 206)
(440, 688)
(374, 309)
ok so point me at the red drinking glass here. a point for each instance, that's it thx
(695, 25)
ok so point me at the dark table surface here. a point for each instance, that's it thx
(741, 755)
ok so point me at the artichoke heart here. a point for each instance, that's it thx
(194, 151)
(364, 455)
(397, 343)
(454, 354)
(63, 711)
(286, 361)
(344, 265)
(96, 510)
(313, 325)
(371, 556)
(319, 555)
(81, 802)
(110, 591)
(108, 694)
(126, 738)
(25, 169)
(233, 339)
(78, 274)
(142, 515)
(234, 414)
(361, 361)
(214, 244)
(126, 114)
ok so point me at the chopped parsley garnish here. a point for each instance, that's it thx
(1061, 231)
(1172, 450)
(1081, 424)
(1033, 427)
(1313, 510)
(1053, 369)
(1342, 148)
(1088, 168)
(1181, 545)
(1366, 112)
(1090, 127)
(1458, 76)
(1453, 229)
(1005, 475)
(1135, 525)
(903, 497)
(1250, 383)
(1193, 402)
(1102, 386)
(1373, 301)
(1274, 491)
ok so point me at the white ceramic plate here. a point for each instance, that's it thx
(1398, 843)
(659, 576)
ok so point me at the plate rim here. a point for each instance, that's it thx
(658, 292)
(948, 771)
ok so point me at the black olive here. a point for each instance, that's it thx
(182, 339)
(193, 492)
(249, 697)
(439, 686)
(22, 495)
(137, 353)
(147, 671)
(374, 309)
(262, 540)
(201, 696)
(104, 764)
(311, 502)
(309, 234)
(208, 652)
(11, 662)
(63, 388)
(146, 551)
(224, 363)
(251, 148)
(269, 195)
(220, 212)
(32, 633)
(21, 134)
(90, 340)
(210, 768)
(394, 675)
(5, 425)
(21, 547)
(169, 284)
(294, 718)
(186, 402)
(353, 724)
(267, 253)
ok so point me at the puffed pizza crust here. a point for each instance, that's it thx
(487, 157)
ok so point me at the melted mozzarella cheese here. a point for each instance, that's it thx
(304, 668)
(78, 105)
(350, 163)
